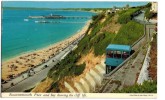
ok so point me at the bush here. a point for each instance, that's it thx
(149, 14)
(129, 33)
(79, 69)
(148, 5)
(101, 42)
(126, 16)
(108, 19)
(146, 87)
(54, 86)
(96, 19)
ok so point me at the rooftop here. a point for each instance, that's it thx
(118, 47)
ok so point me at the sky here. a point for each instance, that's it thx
(66, 4)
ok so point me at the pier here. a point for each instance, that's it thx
(57, 22)
(59, 17)
(80, 17)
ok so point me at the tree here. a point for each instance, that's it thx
(148, 5)
(114, 7)
(127, 6)
(79, 69)
(149, 14)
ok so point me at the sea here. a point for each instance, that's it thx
(21, 34)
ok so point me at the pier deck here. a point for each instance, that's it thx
(59, 17)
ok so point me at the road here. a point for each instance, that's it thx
(140, 18)
(24, 82)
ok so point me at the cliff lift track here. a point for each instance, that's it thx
(137, 45)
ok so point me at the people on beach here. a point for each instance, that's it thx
(21, 64)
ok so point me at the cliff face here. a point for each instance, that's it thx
(43, 86)
(91, 61)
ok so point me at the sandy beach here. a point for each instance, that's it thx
(24, 62)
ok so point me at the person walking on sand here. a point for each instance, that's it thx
(12, 84)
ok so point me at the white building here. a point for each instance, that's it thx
(154, 7)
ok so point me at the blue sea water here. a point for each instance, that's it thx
(20, 36)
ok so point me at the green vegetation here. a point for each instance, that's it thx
(55, 87)
(129, 33)
(149, 14)
(126, 15)
(79, 69)
(66, 67)
(101, 42)
(97, 41)
(94, 40)
(148, 5)
(96, 18)
(146, 87)
(108, 19)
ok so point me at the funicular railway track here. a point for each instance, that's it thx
(127, 72)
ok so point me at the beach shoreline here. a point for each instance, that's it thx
(21, 63)
(41, 48)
